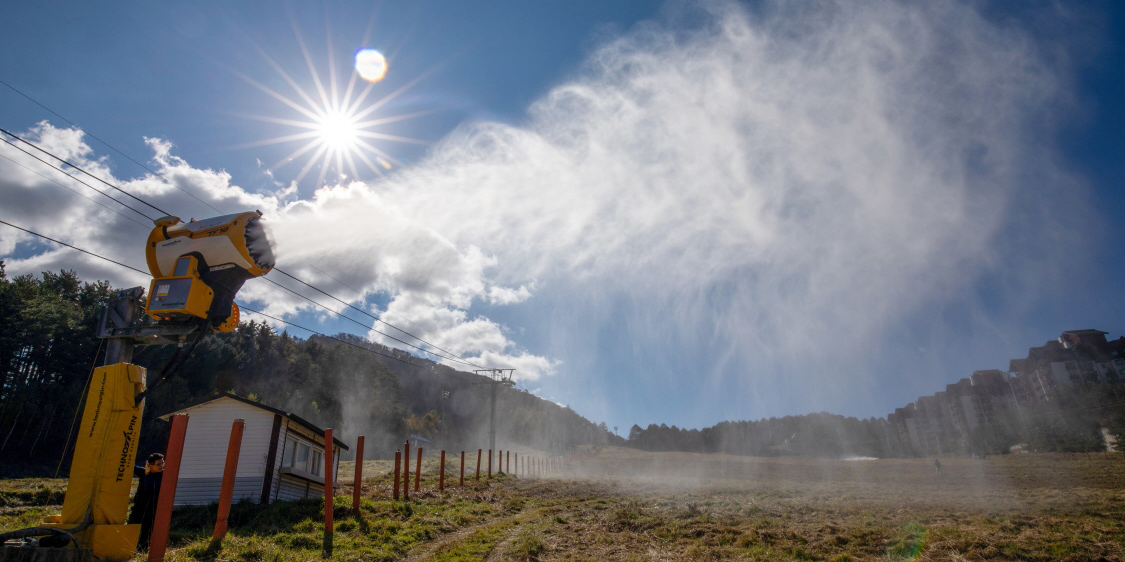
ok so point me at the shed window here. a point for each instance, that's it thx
(303, 456)
(302, 461)
(290, 451)
(317, 467)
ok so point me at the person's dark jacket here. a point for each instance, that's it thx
(144, 503)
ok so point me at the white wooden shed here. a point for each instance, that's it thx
(281, 458)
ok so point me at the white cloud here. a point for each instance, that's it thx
(346, 239)
(507, 295)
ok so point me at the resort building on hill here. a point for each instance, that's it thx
(932, 425)
(1077, 357)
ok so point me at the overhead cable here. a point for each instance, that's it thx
(244, 307)
(365, 326)
(111, 147)
(73, 247)
(361, 311)
(74, 191)
(376, 318)
(53, 167)
(60, 159)
(241, 306)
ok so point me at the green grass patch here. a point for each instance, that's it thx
(475, 546)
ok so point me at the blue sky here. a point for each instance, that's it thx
(678, 213)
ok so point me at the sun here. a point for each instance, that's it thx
(337, 129)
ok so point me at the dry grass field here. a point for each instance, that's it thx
(629, 505)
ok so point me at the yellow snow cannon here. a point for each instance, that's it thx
(198, 267)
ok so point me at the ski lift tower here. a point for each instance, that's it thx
(496, 378)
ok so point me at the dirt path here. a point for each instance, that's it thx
(428, 550)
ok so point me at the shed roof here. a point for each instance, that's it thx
(309, 425)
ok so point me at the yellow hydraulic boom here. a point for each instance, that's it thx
(197, 269)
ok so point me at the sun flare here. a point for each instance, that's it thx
(337, 127)
(338, 131)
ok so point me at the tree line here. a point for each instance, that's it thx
(820, 434)
(1074, 419)
(48, 349)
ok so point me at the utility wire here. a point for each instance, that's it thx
(73, 419)
(365, 326)
(376, 318)
(36, 147)
(241, 306)
(74, 191)
(356, 291)
(361, 311)
(111, 147)
(244, 307)
(73, 247)
(455, 357)
(53, 167)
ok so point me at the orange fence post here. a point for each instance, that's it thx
(357, 487)
(226, 493)
(329, 492)
(441, 473)
(477, 474)
(158, 544)
(490, 463)
(406, 471)
(398, 461)
(462, 469)
(418, 470)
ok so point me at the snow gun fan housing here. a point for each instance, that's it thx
(198, 267)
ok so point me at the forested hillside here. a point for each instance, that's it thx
(1075, 420)
(819, 434)
(48, 348)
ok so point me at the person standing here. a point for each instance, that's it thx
(144, 501)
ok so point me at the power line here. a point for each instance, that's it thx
(357, 322)
(241, 306)
(74, 191)
(361, 311)
(36, 147)
(73, 247)
(53, 167)
(376, 318)
(455, 357)
(244, 307)
(111, 147)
